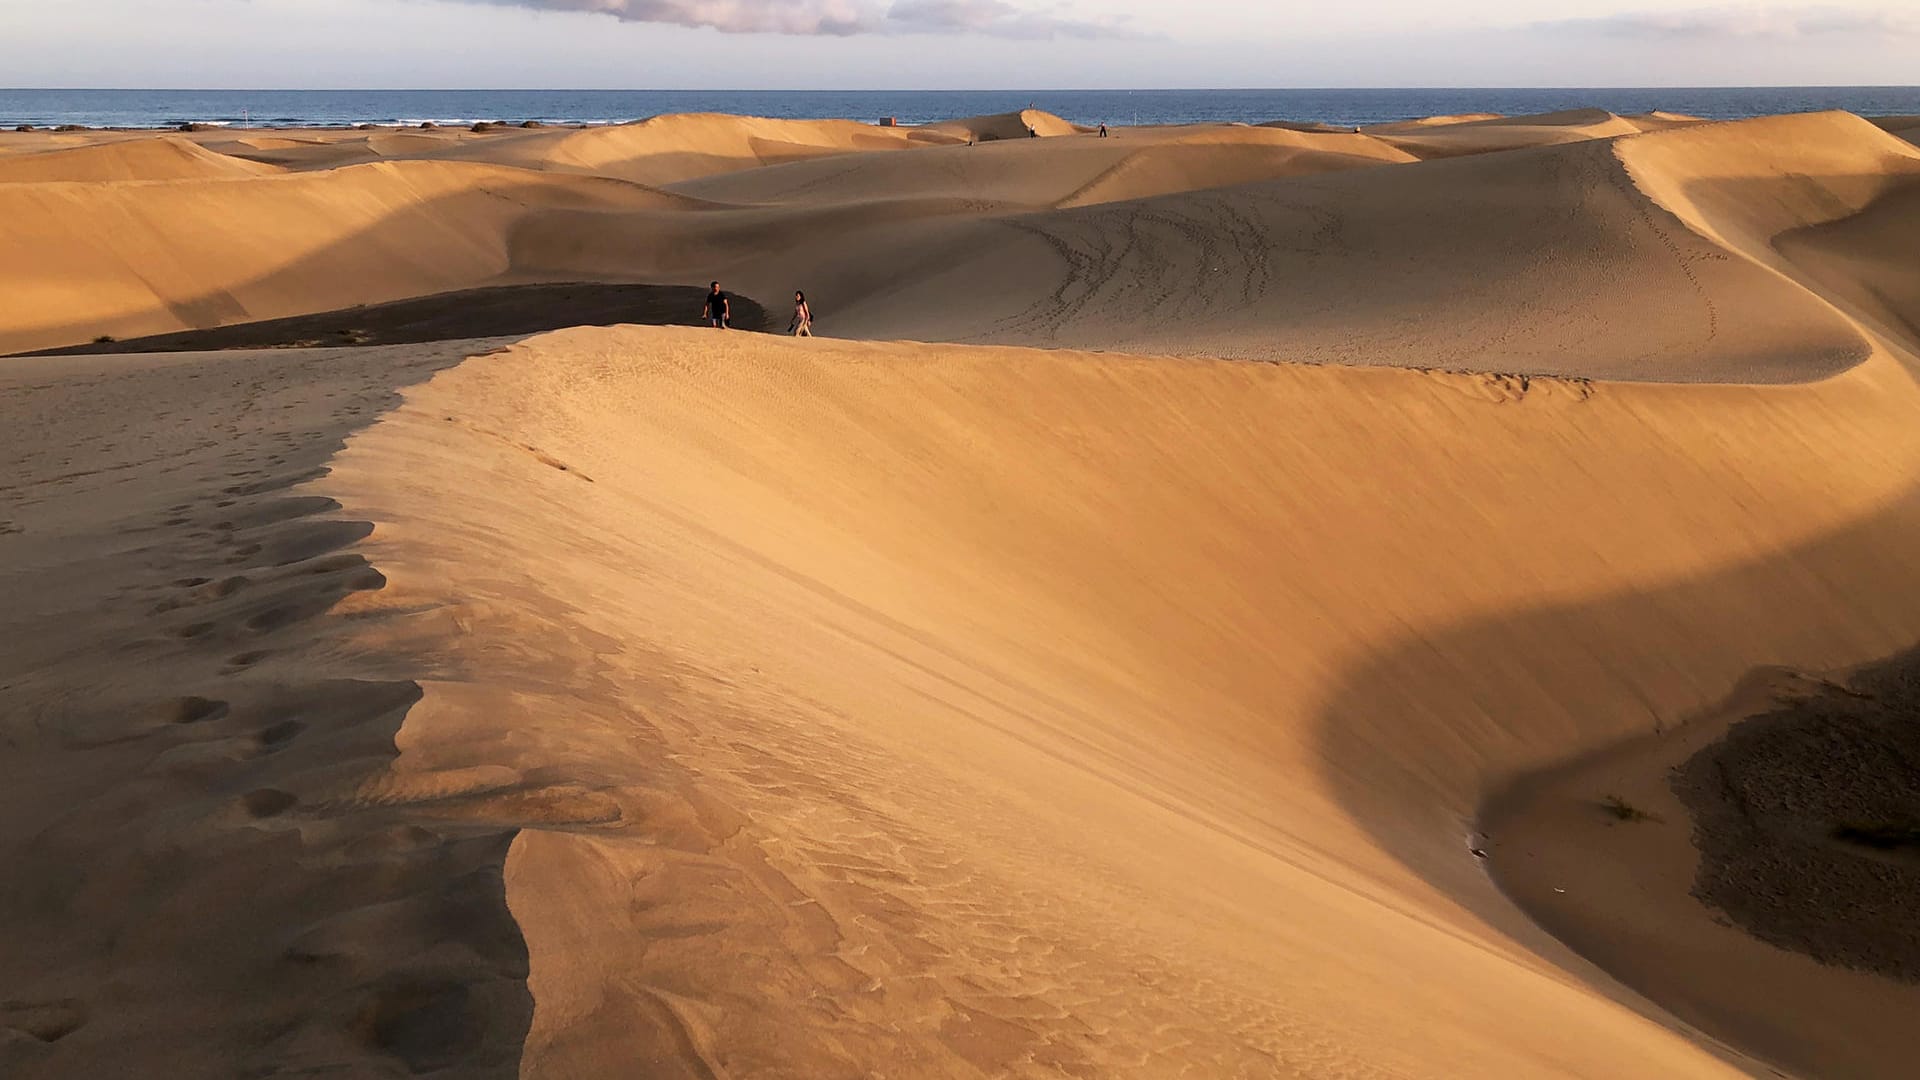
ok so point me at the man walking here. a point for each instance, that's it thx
(719, 313)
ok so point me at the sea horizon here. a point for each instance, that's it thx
(1350, 106)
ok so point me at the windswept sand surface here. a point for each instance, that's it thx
(653, 701)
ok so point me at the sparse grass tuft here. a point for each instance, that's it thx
(1622, 810)
(103, 339)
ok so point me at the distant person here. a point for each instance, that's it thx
(1032, 134)
(719, 309)
(1103, 131)
(802, 317)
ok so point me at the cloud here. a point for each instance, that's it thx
(1743, 22)
(843, 18)
(993, 17)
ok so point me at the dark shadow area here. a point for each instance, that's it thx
(203, 877)
(496, 311)
(475, 216)
(1426, 731)
(1807, 820)
(1863, 263)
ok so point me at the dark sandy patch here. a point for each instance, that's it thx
(1742, 870)
(498, 311)
(1807, 820)
(194, 883)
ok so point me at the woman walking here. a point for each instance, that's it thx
(802, 317)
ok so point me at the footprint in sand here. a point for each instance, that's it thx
(193, 710)
(267, 802)
(46, 1021)
(278, 736)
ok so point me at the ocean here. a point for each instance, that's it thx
(303, 108)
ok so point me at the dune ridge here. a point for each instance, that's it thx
(1828, 208)
(1274, 270)
(138, 159)
(1014, 125)
(669, 149)
(123, 260)
(1082, 173)
(968, 645)
(1243, 242)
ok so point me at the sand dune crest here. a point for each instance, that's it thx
(123, 260)
(1014, 125)
(133, 159)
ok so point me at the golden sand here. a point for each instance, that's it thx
(1107, 681)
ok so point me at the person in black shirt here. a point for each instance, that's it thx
(718, 311)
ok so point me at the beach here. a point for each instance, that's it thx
(1215, 600)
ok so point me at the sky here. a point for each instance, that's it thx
(951, 44)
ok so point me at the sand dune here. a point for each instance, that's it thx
(1312, 127)
(670, 149)
(304, 151)
(170, 910)
(1222, 241)
(1583, 275)
(901, 638)
(1483, 135)
(1823, 198)
(661, 150)
(82, 261)
(1865, 260)
(1429, 122)
(494, 311)
(1743, 184)
(1448, 263)
(1907, 127)
(716, 705)
(1081, 172)
(1014, 125)
(1660, 120)
(135, 159)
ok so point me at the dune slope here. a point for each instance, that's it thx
(1907, 127)
(133, 159)
(1824, 200)
(82, 260)
(1537, 261)
(1014, 125)
(1866, 260)
(1081, 172)
(721, 705)
(943, 718)
(671, 149)
(169, 680)
(1600, 258)
(1554, 260)
(1455, 136)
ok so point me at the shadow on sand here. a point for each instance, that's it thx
(1422, 736)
